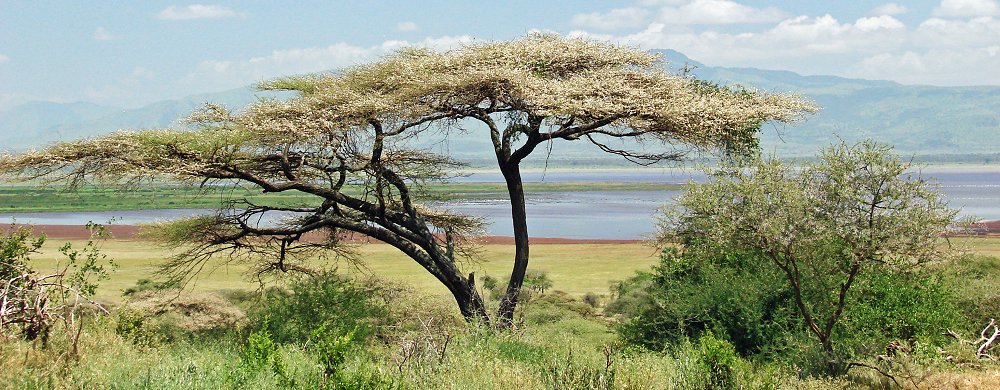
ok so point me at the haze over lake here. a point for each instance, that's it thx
(589, 214)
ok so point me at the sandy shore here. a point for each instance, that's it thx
(129, 232)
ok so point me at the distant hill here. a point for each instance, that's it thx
(921, 120)
(36, 124)
(952, 122)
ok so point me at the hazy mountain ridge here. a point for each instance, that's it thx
(922, 120)
(916, 118)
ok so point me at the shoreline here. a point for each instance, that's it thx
(129, 232)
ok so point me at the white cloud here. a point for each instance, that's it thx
(940, 66)
(889, 9)
(717, 12)
(616, 19)
(102, 34)
(970, 33)
(198, 11)
(217, 74)
(407, 26)
(967, 8)
(878, 22)
(4, 58)
(798, 37)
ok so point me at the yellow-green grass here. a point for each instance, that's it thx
(574, 268)
(985, 245)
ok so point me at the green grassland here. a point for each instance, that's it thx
(562, 343)
(37, 198)
(575, 268)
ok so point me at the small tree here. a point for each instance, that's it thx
(359, 126)
(856, 209)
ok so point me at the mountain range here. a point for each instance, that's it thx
(919, 120)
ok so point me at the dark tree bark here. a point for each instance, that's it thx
(515, 188)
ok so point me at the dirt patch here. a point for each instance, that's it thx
(129, 232)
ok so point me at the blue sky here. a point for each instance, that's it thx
(133, 53)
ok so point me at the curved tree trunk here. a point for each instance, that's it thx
(470, 302)
(515, 188)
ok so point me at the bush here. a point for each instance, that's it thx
(904, 307)
(535, 281)
(693, 292)
(736, 297)
(719, 359)
(592, 299)
(147, 285)
(324, 301)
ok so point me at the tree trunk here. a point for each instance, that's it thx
(470, 303)
(515, 188)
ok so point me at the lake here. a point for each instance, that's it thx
(591, 214)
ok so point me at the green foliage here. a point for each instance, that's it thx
(260, 355)
(146, 285)
(86, 267)
(630, 295)
(732, 293)
(134, 326)
(554, 307)
(326, 301)
(332, 349)
(823, 228)
(537, 280)
(32, 301)
(734, 296)
(905, 307)
(489, 282)
(720, 360)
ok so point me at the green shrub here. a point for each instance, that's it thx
(134, 326)
(630, 294)
(324, 301)
(904, 307)
(147, 285)
(554, 307)
(535, 281)
(592, 299)
(739, 298)
(260, 355)
(692, 292)
(719, 359)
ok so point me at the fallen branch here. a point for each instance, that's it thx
(987, 342)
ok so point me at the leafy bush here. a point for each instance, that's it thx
(719, 359)
(324, 301)
(260, 355)
(692, 292)
(904, 307)
(555, 306)
(535, 281)
(33, 302)
(736, 297)
(147, 285)
(630, 294)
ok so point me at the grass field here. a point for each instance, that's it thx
(105, 198)
(574, 268)
(557, 347)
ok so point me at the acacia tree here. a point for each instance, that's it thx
(857, 209)
(358, 125)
